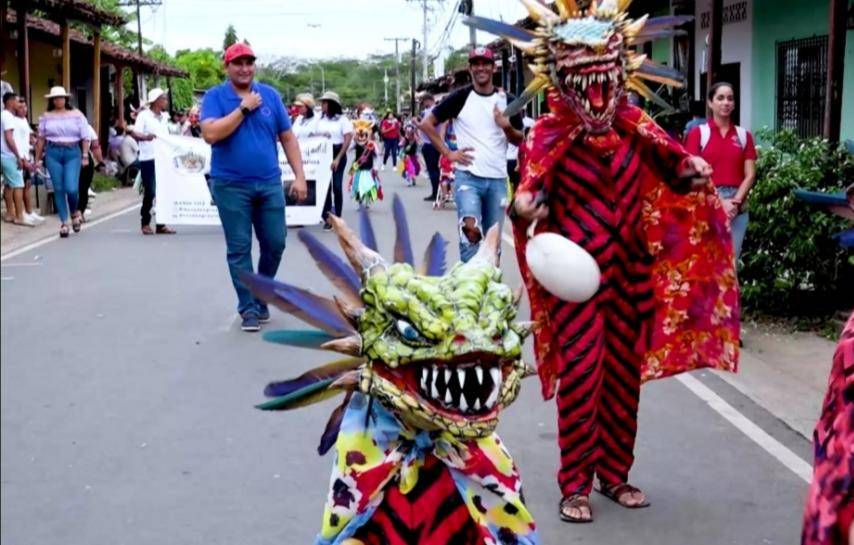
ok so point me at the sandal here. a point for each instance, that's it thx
(164, 230)
(579, 502)
(615, 492)
(75, 222)
(63, 231)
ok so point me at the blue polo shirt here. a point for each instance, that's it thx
(250, 154)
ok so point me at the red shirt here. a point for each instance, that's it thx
(724, 153)
(390, 128)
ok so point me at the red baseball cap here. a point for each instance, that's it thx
(235, 51)
(481, 53)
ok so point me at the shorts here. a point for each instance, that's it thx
(13, 176)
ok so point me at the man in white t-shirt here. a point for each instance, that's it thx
(150, 123)
(482, 133)
(13, 161)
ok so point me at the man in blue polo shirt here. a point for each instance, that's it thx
(243, 121)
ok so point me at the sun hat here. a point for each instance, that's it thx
(58, 91)
(304, 99)
(154, 94)
(332, 96)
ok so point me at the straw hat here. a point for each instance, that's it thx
(304, 99)
(331, 96)
(58, 91)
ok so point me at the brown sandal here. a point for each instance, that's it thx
(580, 502)
(75, 222)
(615, 492)
(63, 231)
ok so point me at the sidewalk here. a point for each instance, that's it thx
(13, 237)
(785, 373)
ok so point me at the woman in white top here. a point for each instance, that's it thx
(335, 125)
(305, 123)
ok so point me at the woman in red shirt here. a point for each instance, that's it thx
(390, 131)
(729, 150)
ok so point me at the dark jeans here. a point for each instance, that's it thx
(336, 187)
(149, 187)
(431, 161)
(390, 148)
(242, 205)
(513, 173)
(86, 175)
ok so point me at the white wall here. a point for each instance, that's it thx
(736, 46)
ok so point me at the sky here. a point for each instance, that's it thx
(313, 29)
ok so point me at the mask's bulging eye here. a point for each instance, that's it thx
(407, 331)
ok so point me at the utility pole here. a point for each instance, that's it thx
(385, 86)
(467, 9)
(412, 79)
(424, 10)
(138, 3)
(396, 68)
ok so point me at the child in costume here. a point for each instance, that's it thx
(411, 165)
(432, 360)
(600, 172)
(364, 183)
(445, 194)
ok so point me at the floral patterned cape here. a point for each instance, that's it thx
(383, 453)
(696, 318)
(830, 501)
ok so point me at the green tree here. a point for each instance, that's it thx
(204, 65)
(230, 37)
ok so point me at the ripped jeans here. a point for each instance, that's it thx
(480, 205)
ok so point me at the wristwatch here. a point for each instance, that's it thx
(245, 111)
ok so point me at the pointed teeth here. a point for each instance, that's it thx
(476, 405)
(461, 389)
(461, 376)
(479, 372)
(447, 376)
(424, 377)
(448, 398)
(495, 375)
(434, 391)
(464, 406)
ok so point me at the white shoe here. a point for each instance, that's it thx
(28, 221)
(382, 167)
(37, 217)
(36, 220)
(92, 194)
(87, 213)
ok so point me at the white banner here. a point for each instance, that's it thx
(183, 196)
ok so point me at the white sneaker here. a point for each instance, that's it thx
(382, 167)
(92, 194)
(36, 220)
(87, 213)
(28, 221)
(36, 216)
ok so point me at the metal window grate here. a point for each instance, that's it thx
(801, 84)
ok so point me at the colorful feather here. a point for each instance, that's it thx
(647, 93)
(366, 230)
(402, 244)
(314, 393)
(308, 307)
(653, 71)
(434, 257)
(647, 36)
(334, 268)
(326, 374)
(498, 28)
(304, 338)
(666, 22)
(537, 84)
(333, 426)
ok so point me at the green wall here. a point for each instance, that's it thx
(781, 20)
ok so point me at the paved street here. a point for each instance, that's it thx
(128, 419)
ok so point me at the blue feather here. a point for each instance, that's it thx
(333, 426)
(336, 270)
(403, 244)
(308, 307)
(305, 338)
(366, 230)
(498, 28)
(666, 22)
(434, 257)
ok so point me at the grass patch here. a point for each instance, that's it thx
(102, 182)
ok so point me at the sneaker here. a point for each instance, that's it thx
(26, 222)
(36, 216)
(92, 194)
(263, 314)
(35, 219)
(87, 213)
(382, 168)
(250, 321)
(430, 198)
(327, 226)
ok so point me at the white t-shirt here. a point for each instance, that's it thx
(513, 151)
(475, 127)
(22, 136)
(334, 128)
(8, 122)
(147, 123)
(303, 126)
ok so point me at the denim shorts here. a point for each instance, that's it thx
(12, 175)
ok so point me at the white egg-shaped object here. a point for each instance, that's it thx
(562, 267)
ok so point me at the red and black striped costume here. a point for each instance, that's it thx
(611, 194)
(432, 513)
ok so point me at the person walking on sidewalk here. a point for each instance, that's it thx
(244, 121)
(87, 173)
(334, 125)
(14, 161)
(482, 132)
(150, 123)
(64, 140)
